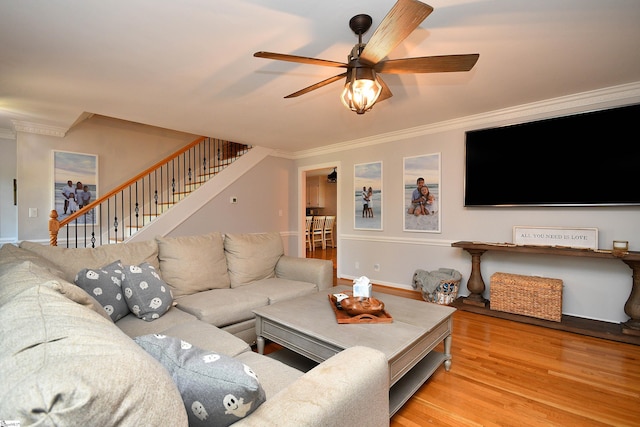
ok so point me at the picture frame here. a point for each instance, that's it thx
(80, 169)
(367, 185)
(424, 216)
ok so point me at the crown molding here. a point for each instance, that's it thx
(7, 134)
(581, 102)
(40, 129)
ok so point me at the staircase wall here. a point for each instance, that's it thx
(265, 189)
(123, 149)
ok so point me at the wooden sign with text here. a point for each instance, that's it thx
(586, 238)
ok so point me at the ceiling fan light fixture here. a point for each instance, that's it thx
(361, 90)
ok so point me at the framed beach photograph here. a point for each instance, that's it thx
(421, 180)
(367, 182)
(75, 184)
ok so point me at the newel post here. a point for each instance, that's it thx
(54, 226)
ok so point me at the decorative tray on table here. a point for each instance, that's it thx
(353, 310)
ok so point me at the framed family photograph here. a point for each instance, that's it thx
(367, 182)
(421, 180)
(75, 184)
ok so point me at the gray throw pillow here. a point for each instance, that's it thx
(217, 390)
(105, 285)
(146, 294)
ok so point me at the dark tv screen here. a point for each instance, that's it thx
(585, 159)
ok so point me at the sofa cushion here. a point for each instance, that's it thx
(19, 276)
(134, 326)
(11, 254)
(191, 264)
(15, 277)
(252, 256)
(72, 260)
(216, 389)
(208, 337)
(280, 289)
(67, 365)
(105, 285)
(221, 307)
(79, 296)
(146, 294)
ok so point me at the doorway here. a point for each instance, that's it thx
(318, 196)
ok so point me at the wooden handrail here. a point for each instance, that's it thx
(209, 161)
(127, 183)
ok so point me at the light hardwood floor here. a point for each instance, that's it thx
(506, 373)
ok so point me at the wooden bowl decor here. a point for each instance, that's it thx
(357, 306)
(350, 309)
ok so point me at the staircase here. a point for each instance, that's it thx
(136, 204)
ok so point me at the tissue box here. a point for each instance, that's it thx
(362, 287)
(362, 290)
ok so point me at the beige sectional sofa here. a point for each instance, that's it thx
(66, 360)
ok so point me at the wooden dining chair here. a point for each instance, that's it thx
(317, 231)
(307, 231)
(327, 233)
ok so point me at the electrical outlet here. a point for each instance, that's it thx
(33, 212)
(357, 265)
(376, 267)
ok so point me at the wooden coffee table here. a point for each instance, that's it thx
(308, 326)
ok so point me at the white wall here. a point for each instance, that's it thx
(8, 211)
(123, 149)
(265, 202)
(594, 288)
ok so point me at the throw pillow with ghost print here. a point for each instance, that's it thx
(217, 390)
(105, 285)
(145, 293)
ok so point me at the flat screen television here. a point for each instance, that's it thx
(587, 159)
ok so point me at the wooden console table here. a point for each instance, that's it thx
(476, 286)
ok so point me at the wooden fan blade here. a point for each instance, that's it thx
(317, 85)
(386, 92)
(402, 19)
(299, 59)
(428, 64)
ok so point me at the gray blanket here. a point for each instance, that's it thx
(429, 281)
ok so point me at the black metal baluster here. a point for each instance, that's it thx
(173, 182)
(115, 218)
(93, 232)
(137, 210)
(122, 211)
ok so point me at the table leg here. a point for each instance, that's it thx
(475, 284)
(447, 353)
(632, 306)
(260, 344)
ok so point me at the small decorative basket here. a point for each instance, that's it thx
(440, 286)
(445, 294)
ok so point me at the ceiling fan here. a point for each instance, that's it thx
(364, 87)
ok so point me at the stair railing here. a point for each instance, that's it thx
(118, 214)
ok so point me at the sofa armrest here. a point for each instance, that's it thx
(312, 270)
(350, 388)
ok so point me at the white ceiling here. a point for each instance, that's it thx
(188, 65)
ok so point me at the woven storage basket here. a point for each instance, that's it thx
(445, 294)
(533, 296)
